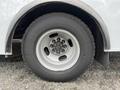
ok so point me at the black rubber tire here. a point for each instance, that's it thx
(69, 23)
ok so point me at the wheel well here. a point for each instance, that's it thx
(39, 10)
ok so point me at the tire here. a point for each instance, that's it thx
(69, 24)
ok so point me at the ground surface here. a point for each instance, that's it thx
(17, 76)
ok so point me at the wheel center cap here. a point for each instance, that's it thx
(58, 46)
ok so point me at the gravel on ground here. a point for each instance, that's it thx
(17, 76)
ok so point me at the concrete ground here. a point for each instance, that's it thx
(17, 76)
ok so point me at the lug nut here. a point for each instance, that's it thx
(58, 39)
(51, 45)
(53, 41)
(63, 50)
(63, 41)
(64, 46)
(53, 50)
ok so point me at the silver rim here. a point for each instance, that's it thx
(57, 50)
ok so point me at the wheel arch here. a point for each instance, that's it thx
(48, 7)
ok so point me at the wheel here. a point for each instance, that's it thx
(58, 47)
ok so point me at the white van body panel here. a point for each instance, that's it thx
(107, 12)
